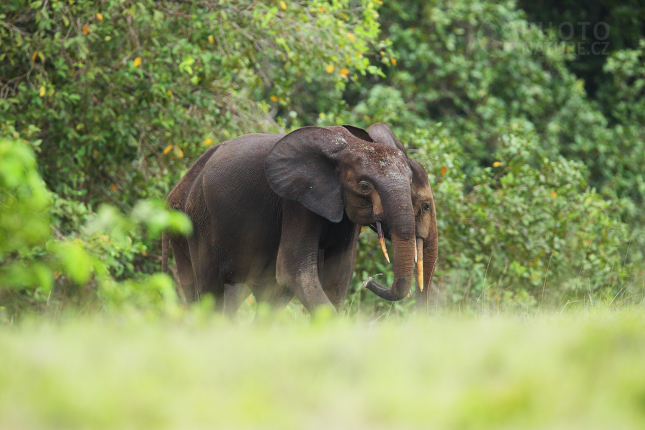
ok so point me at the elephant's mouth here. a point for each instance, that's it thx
(418, 249)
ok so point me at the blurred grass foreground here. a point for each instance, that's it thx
(580, 369)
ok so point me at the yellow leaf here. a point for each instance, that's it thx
(114, 188)
(169, 93)
(274, 99)
(208, 142)
(393, 61)
(322, 9)
(283, 5)
(378, 2)
(99, 16)
(167, 149)
(33, 57)
(42, 92)
(497, 164)
(382, 53)
(554, 194)
(344, 73)
(443, 170)
(210, 39)
(330, 68)
(86, 29)
(351, 37)
(137, 62)
(179, 152)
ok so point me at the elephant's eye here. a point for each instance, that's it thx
(425, 207)
(364, 187)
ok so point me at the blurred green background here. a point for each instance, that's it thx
(581, 370)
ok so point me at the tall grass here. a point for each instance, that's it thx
(579, 368)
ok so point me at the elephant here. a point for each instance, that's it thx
(282, 214)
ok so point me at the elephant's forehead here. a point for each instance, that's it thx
(380, 158)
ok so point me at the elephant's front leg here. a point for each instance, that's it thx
(297, 265)
(338, 265)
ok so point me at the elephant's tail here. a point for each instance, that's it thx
(165, 241)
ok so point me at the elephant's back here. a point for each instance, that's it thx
(235, 172)
(240, 158)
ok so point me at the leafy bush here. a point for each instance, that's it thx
(24, 221)
(38, 269)
(621, 157)
(529, 224)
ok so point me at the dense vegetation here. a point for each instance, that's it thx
(534, 149)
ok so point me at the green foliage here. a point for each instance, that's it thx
(594, 29)
(23, 198)
(529, 223)
(622, 156)
(24, 221)
(110, 84)
(34, 264)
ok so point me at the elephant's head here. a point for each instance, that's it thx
(424, 210)
(335, 171)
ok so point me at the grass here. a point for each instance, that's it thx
(577, 369)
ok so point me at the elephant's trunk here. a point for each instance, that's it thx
(401, 217)
(430, 255)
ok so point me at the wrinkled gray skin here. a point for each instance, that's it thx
(281, 214)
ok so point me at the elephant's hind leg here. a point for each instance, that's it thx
(209, 270)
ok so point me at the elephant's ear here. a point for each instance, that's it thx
(359, 132)
(302, 167)
(381, 133)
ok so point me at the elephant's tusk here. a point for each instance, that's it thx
(381, 240)
(415, 254)
(419, 251)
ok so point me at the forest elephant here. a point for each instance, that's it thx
(281, 214)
